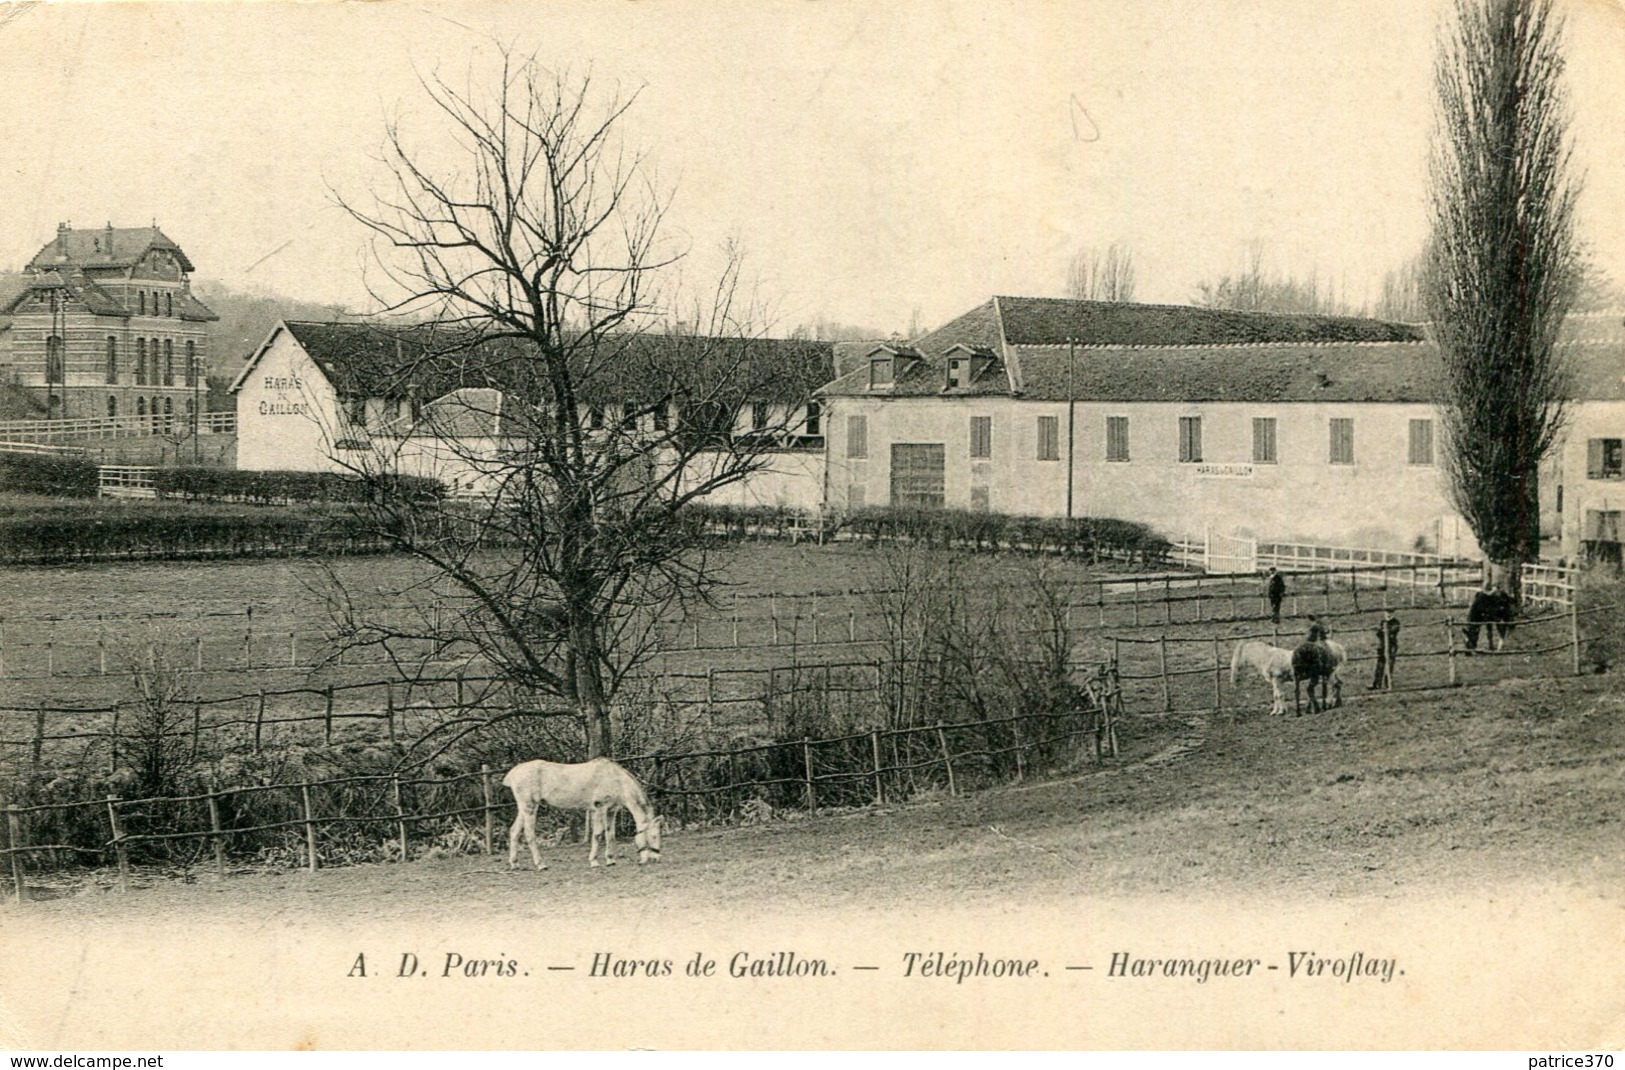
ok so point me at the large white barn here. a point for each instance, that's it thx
(1286, 428)
(333, 397)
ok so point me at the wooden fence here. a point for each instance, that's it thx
(80, 647)
(877, 766)
(1175, 673)
(115, 426)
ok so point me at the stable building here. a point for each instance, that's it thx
(340, 397)
(104, 323)
(1294, 428)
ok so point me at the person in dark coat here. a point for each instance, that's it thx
(1387, 651)
(1276, 589)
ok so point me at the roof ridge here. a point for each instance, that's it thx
(1311, 344)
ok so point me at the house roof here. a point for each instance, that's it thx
(104, 247)
(1059, 321)
(74, 283)
(364, 359)
(95, 298)
(1343, 372)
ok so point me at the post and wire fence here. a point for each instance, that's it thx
(374, 817)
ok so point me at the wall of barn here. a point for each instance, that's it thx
(287, 414)
(1381, 500)
(1591, 504)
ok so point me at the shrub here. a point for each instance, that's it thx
(196, 483)
(69, 477)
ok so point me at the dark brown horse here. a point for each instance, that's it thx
(1317, 663)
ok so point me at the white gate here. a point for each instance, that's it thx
(1229, 553)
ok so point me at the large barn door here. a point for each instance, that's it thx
(917, 480)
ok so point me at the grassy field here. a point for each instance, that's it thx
(238, 627)
(1478, 835)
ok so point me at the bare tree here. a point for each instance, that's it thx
(1253, 289)
(1401, 297)
(1503, 265)
(1102, 274)
(531, 267)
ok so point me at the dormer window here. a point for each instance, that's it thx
(880, 372)
(958, 371)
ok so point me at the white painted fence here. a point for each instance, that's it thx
(209, 423)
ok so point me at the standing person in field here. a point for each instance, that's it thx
(1276, 589)
(1387, 651)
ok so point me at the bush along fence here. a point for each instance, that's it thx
(38, 649)
(339, 819)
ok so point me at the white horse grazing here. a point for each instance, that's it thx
(1275, 666)
(1271, 662)
(600, 787)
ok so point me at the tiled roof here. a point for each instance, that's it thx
(104, 247)
(1335, 371)
(362, 359)
(96, 299)
(1350, 372)
(1027, 321)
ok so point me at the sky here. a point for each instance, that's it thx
(878, 163)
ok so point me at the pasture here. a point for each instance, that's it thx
(1478, 834)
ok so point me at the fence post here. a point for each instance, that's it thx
(1162, 670)
(327, 714)
(1218, 674)
(197, 648)
(400, 814)
(119, 849)
(14, 832)
(490, 816)
(112, 743)
(947, 760)
(1100, 600)
(389, 708)
(214, 827)
(736, 618)
(806, 763)
(38, 749)
(259, 721)
(1574, 630)
(1354, 587)
(1198, 600)
(197, 728)
(310, 827)
(1450, 639)
(1021, 745)
(1135, 592)
(874, 748)
(710, 687)
(293, 650)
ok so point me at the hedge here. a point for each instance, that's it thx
(197, 483)
(1091, 537)
(163, 530)
(39, 473)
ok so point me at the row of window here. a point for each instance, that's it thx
(161, 370)
(157, 407)
(150, 298)
(761, 417)
(1340, 449)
